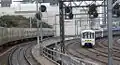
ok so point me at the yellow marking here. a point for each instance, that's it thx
(87, 40)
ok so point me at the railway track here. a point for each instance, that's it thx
(97, 54)
(74, 50)
(29, 57)
(21, 55)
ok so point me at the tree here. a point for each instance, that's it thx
(12, 21)
(19, 21)
(44, 25)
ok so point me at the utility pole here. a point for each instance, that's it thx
(104, 13)
(110, 37)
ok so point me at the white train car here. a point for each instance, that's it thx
(13, 34)
(88, 38)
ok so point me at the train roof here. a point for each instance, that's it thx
(113, 29)
(87, 31)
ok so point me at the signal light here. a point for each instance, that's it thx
(92, 11)
(68, 13)
(116, 6)
(38, 15)
(43, 8)
(68, 9)
(118, 13)
(116, 10)
(95, 14)
(92, 7)
(70, 16)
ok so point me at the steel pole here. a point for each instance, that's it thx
(110, 37)
(38, 42)
(75, 26)
(41, 36)
(61, 21)
(55, 26)
(41, 31)
(104, 13)
(30, 23)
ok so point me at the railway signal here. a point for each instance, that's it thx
(93, 11)
(116, 10)
(43, 8)
(68, 12)
(38, 15)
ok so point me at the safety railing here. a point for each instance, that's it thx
(63, 59)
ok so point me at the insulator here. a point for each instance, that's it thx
(43, 8)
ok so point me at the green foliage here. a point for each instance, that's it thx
(19, 21)
(44, 25)
(13, 21)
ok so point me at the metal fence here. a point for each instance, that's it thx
(63, 59)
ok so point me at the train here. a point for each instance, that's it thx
(88, 37)
(12, 34)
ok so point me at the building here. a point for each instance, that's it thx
(6, 3)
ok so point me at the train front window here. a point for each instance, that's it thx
(92, 35)
(83, 35)
(88, 35)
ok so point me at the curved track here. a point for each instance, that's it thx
(21, 55)
(98, 54)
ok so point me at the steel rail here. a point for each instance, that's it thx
(31, 57)
(10, 57)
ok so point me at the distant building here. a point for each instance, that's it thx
(6, 3)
